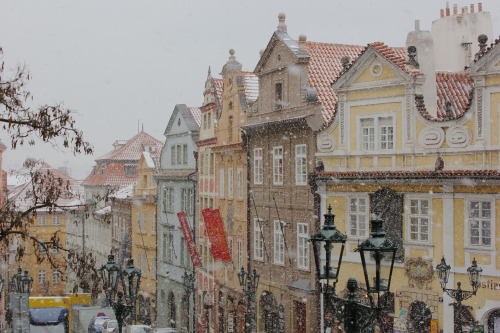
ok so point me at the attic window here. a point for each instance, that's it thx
(130, 170)
(278, 96)
(279, 57)
(179, 122)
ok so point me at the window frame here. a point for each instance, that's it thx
(239, 183)
(221, 183)
(258, 166)
(258, 239)
(303, 244)
(42, 276)
(55, 218)
(278, 243)
(467, 223)
(41, 218)
(230, 183)
(350, 213)
(302, 159)
(278, 159)
(409, 215)
(377, 119)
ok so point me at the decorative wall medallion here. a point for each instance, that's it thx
(420, 272)
(376, 69)
(458, 136)
(432, 137)
(326, 142)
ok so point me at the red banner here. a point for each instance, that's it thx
(188, 237)
(216, 234)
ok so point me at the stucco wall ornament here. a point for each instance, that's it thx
(420, 272)
(326, 142)
(432, 137)
(458, 136)
(376, 69)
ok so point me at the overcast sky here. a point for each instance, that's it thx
(117, 63)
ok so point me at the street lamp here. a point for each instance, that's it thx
(379, 247)
(21, 284)
(188, 284)
(249, 282)
(458, 294)
(125, 298)
(356, 316)
(324, 242)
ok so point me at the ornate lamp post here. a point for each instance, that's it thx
(249, 282)
(356, 316)
(459, 295)
(188, 284)
(122, 301)
(21, 285)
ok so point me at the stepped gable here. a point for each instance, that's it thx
(453, 89)
(196, 113)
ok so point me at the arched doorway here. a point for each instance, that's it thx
(172, 311)
(272, 313)
(462, 317)
(419, 317)
(494, 321)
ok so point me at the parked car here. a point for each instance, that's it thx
(167, 330)
(110, 326)
(138, 329)
(95, 325)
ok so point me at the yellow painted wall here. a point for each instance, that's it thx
(494, 119)
(375, 93)
(493, 81)
(366, 76)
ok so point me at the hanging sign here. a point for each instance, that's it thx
(216, 234)
(188, 237)
(434, 326)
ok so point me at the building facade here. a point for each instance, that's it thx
(177, 192)
(421, 145)
(240, 91)
(205, 282)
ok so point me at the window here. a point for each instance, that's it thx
(56, 220)
(303, 245)
(279, 244)
(170, 247)
(278, 95)
(141, 222)
(480, 222)
(130, 170)
(300, 165)
(56, 276)
(165, 246)
(185, 154)
(239, 183)
(230, 183)
(179, 154)
(168, 200)
(187, 197)
(209, 119)
(183, 251)
(42, 220)
(257, 166)
(211, 164)
(239, 253)
(419, 220)
(42, 247)
(258, 241)
(377, 133)
(41, 276)
(278, 165)
(230, 129)
(358, 215)
(221, 183)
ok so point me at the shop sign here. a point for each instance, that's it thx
(434, 326)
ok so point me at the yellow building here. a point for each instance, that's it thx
(240, 89)
(431, 168)
(43, 251)
(143, 205)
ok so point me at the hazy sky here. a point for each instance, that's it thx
(118, 63)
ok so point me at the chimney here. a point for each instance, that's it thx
(480, 7)
(455, 9)
(421, 46)
(302, 43)
(281, 22)
(447, 8)
(472, 8)
(441, 13)
(463, 10)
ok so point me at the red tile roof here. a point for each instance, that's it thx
(324, 68)
(480, 55)
(251, 82)
(455, 88)
(196, 113)
(110, 168)
(219, 86)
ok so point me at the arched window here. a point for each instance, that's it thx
(172, 311)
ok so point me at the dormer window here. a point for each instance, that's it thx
(130, 170)
(278, 95)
